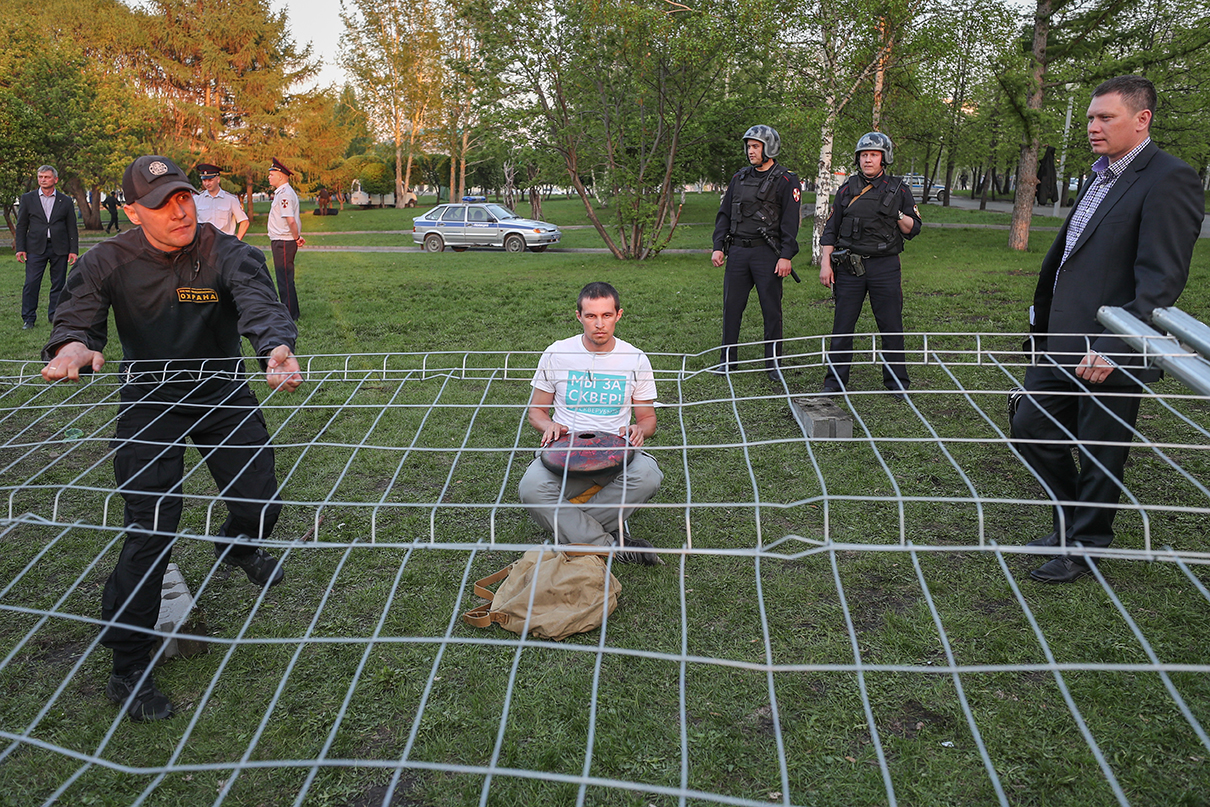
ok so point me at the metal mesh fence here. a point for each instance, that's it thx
(841, 621)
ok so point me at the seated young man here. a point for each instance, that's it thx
(594, 382)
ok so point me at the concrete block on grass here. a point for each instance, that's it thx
(821, 419)
(177, 613)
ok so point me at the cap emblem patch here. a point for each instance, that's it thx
(157, 169)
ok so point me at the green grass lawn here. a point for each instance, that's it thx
(344, 440)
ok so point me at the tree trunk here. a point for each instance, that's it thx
(12, 226)
(928, 156)
(930, 181)
(466, 135)
(510, 177)
(884, 58)
(96, 204)
(1027, 170)
(399, 172)
(535, 202)
(823, 181)
(248, 196)
(92, 218)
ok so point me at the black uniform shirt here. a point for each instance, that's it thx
(179, 314)
(788, 192)
(907, 204)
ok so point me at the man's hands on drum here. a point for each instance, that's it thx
(633, 433)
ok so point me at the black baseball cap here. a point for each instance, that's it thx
(151, 179)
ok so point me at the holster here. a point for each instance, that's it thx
(847, 261)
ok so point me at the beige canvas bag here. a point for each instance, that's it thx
(569, 591)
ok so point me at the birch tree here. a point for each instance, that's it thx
(392, 49)
(837, 48)
(613, 88)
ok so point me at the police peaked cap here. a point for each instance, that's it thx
(277, 166)
(207, 170)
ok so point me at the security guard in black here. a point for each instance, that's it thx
(181, 296)
(874, 213)
(756, 232)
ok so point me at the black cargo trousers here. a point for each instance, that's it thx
(751, 263)
(149, 465)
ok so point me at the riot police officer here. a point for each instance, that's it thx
(874, 213)
(756, 233)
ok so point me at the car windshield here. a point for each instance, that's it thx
(501, 212)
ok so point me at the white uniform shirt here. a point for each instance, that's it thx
(285, 206)
(594, 391)
(223, 211)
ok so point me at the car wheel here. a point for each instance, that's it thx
(514, 243)
(458, 249)
(541, 248)
(433, 243)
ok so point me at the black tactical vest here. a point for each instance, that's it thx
(755, 205)
(870, 225)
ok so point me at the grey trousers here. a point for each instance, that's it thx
(546, 496)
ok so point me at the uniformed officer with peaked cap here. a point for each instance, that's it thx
(216, 206)
(284, 235)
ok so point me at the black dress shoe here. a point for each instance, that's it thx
(1063, 569)
(27, 326)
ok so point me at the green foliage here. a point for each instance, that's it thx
(376, 178)
(614, 89)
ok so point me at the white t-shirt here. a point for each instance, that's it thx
(594, 391)
(285, 206)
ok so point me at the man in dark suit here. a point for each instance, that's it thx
(46, 236)
(1127, 242)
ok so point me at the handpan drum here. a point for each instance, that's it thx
(587, 454)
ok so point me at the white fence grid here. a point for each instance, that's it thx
(838, 621)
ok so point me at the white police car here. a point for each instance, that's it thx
(475, 222)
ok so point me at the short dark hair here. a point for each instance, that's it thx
(596, 291)
(1138, 93)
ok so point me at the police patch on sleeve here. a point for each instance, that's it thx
(797, 194)
(916, 210)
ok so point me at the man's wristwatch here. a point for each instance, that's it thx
(901, 215)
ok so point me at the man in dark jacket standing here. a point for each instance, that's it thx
(859, 255)
(756, 233)
(1127, 242)
(46, 236)
(181, 297)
